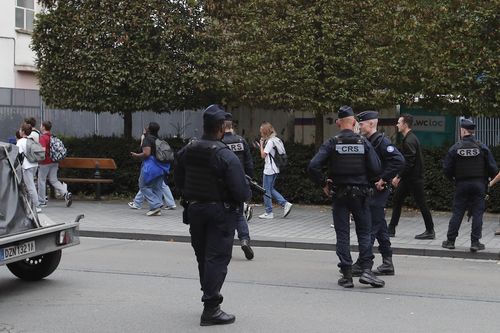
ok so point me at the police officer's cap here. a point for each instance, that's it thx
(367, 115)
(215, 113)
(345, 111)
(467, 124)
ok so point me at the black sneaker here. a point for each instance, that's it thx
(68, 197)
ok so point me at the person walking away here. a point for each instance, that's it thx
(411, 180)
(48, 169)
(392, 163)
(35, 133)
(352, 161)
(240, 148)
(469, 163)
(213, 187)
(29, 168)
(269, 145)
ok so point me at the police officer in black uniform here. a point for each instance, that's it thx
(352, 161)
(240, 147)
(392, 163)
(469, 163)
(212, 181)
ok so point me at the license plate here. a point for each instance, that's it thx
(17, 250)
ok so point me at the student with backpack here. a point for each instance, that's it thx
(273, 152)
(54, 152)
(152, 170)
(35, 134)
(29, 167)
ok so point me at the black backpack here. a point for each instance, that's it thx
(280, 159)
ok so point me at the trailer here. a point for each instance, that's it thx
(30, 243)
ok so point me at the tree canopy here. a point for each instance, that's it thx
(162, 55)
(117, 56)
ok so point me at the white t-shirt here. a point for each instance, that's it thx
(35, 135)
(21, 143)
(270, 167)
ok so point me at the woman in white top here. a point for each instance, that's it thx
(269, 143)
(29, 168)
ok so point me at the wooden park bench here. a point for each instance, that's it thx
(95, 163)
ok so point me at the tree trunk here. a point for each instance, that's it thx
(127, 125)
(319, 129)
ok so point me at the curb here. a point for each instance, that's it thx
(461, 254)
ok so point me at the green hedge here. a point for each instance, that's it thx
(294, 183)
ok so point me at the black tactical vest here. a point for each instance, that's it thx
(348, 157)
(235, 143)
(470, 161)
(202, 183)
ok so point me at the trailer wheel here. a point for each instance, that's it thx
(36, 268)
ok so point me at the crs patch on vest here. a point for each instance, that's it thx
(236, 146)
(466, 152)
(350, 149)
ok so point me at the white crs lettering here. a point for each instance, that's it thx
(466, 152)
(236, 146)
(350, 148)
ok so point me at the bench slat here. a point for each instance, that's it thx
(86, 181)
(87, 163)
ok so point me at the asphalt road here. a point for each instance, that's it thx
(106, 285)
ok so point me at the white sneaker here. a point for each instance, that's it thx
(266, 216)
(38, 210)
(286, 209)
(154, 212)
(132, 205)
(170, 207)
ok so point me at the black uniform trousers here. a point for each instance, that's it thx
(469, 194)
(360, 210)
(212, 228)
(416, 187)
(379, 224)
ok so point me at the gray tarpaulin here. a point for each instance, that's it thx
(15, 215)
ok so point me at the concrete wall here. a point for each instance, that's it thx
(17, 60)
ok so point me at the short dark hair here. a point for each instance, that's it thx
(407, 119)
(47, 124)
(26, 128)
(31, 121)
(153, 128)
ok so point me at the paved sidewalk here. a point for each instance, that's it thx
(306, 227)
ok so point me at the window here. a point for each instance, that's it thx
(25, 14)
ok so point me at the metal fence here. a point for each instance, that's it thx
(487, 130)
(18, 104)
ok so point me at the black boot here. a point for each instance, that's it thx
(245, 246)
(391, 228)
(346, 280)
(448, 244)
(215, 316)
(356, 270)
(427, 234)
(476, 246)
(387, 268)
(369, 278)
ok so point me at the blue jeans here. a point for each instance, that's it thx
(268, 183)
(152, 192)
(168, 198)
